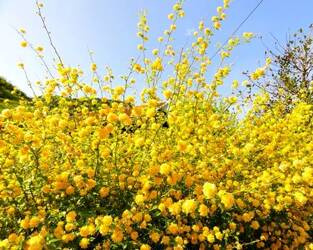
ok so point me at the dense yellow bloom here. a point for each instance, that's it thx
(35, 243)
(175, 166)
(139, 141)
(300, 198)
(112, 117)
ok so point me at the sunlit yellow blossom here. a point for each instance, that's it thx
(71, 216)
(189, 206)
(24, 44)
(145, 247)
(209, 190)
(139, 199)
(117, 236)
(227, 200)
(157, 64)
(93, 67)
(84, 243)
(165, 169)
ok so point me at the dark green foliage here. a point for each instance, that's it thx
(9, 95)
(6, 90)
(292, 71)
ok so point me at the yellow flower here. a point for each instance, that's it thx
(173, 228)
(209, 190)
(155, 237)
(36, 242)
(134, 235)
(219, 235)
(84, 243)
(175, 208)
(137, 67)
(22, 30)
(171, 16)
(107, 220)
(112, 117)
(68, 237)
(117, 236)
(255, 225)
(70, 190)
(104, 230)
(300, 198)
(25, 223)
(139, 199)
(24, 44)
(157, 64)
(39, 48)
(217, 25)
(189, 206)
(125, 119)
(227, 199)
(118, 90)
(248, 216)
(93, 67)
(140, 47)
(203, 210)
(21, 65)
(247, 35)
(150, 112)
(34, 221)
(258, 74)
(167, 93)
(139, 142)
(84, 231)
(145, 247)
(104, 192)
(165, 169)
(71, 216)
(155, 52)
(211, 238)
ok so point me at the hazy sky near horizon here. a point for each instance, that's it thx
(109, 28)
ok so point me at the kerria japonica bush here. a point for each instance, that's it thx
(84, 166)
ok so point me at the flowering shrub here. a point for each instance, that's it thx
(104, 173)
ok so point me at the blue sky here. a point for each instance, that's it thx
(108, 27)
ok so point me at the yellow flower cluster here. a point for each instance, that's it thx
(105, 173)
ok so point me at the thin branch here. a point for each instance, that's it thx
(42, 18)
